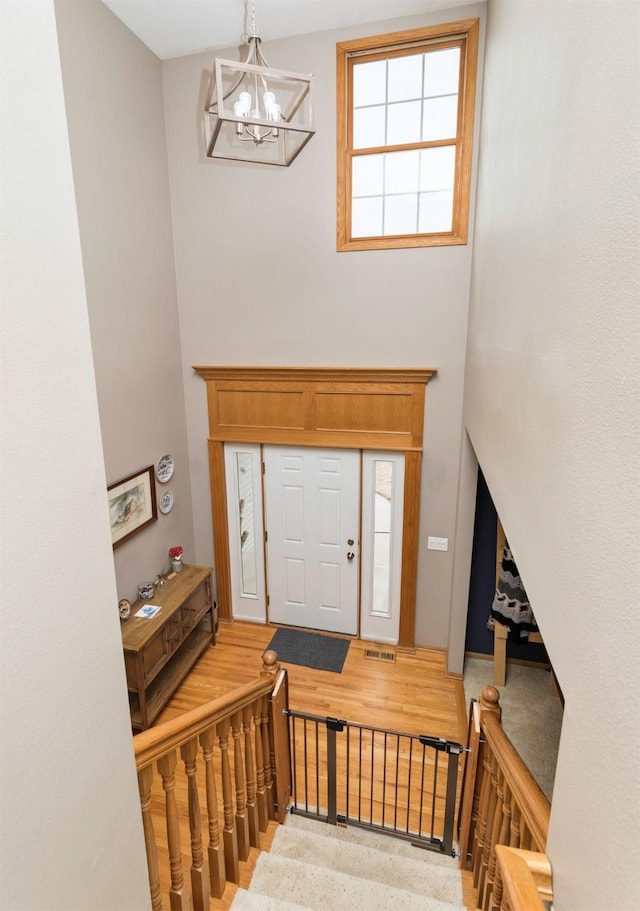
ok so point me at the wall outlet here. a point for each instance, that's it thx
(437, 543)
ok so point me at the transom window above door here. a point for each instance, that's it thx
(405, 123)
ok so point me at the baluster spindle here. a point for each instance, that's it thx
(178, 894)
(261, 792)
(481, 823)
(215, 851)
(489, 835)
(497, 893)
(199, 866)
(503, 839)
(516, 815)
(229, 833)
(505, 828)
(489, 703)
(145, 782)
(250, 773)
(496, 826)
(242, 821)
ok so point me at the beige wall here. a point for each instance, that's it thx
(260, 282)
(70, 828)
(552, 399)
(113, 94)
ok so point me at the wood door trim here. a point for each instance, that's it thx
(410, 528)
(372, 408)
(319, 374)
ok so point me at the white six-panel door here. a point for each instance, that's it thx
(312, 518)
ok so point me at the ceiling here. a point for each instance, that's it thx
(172, 28)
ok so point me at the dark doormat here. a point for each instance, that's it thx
(323, 653)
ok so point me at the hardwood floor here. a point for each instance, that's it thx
(412, 694)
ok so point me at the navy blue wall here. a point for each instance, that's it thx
(483, 581)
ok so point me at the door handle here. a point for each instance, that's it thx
(350, 556)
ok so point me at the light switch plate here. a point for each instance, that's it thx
(437, 543)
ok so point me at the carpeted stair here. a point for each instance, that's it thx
(314, 867)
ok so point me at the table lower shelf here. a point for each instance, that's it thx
(168, 680)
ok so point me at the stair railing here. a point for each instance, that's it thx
(526, 880)
(403, 785)
(243, 781)
(501, 805)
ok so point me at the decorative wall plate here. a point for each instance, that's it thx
(165, 503)
(124, 609)
(164, 469)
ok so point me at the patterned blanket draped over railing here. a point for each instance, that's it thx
(510, 604)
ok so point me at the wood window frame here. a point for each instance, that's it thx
(464, 33)
(350, 408)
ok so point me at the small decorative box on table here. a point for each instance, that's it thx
(160, 651)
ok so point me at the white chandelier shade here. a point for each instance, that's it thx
(257, 113)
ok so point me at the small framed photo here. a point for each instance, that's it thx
(132, 505)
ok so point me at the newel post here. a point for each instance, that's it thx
(279, 732)
(468, 826)
(270, 664)
(490, 701)
(484, 837)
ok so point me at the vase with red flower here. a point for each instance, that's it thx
(175, 555)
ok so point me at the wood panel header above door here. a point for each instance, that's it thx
(362, 408)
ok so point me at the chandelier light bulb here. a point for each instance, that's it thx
(243, 104)
(269, 105)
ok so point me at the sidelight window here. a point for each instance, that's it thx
(382, 511)
(243, 470)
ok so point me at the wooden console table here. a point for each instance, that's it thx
(159, 652)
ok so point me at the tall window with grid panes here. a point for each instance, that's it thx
(405, 125)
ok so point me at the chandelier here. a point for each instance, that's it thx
(255, 112)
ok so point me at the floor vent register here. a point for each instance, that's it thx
(377, 655)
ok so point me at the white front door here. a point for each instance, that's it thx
(312, 507)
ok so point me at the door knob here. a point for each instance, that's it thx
(350, 555)
(350, 542)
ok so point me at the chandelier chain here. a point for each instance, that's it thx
(249, 27)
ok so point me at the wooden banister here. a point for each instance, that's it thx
(151, 745)
(502, 805)
(535, 809)
(526, 879)
(226, 747)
